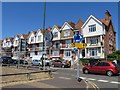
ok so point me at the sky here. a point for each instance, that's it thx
(22, 17)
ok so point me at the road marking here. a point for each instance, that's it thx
(91, 79)
(64, 78)
(83, 77)
(115, 82)
(55, 72)
(102, 81)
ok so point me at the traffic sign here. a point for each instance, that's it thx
(78, 38)
(78, 45)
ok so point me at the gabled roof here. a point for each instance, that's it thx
(91, 16)
(25, 36)
(34, 32)
(56, 26)
(10, 38)
(70, 24)
(104, 21)
(16, 36)
(39, 30)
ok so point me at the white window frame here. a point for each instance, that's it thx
(55, 34)
(39, 37)
(55, 53)
(67, 53)
(93, 50)
(32, 39)
(92, 28)
(67, 32)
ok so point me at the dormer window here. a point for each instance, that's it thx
(66, 32)
(32, 39)
(16, 42)
(55, 34)
(39, 37)
(92, 28)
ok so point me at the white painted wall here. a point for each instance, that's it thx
(29, 40)
(14, 42)
(9, 44)
(4, 44)
(66, 26)
(41, 40)
(99, 28)
(56, 30)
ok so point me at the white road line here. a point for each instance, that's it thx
(91, 79)
(83, 77)
(64, 78)
(102, 81)
(55, 73)
(115, 82)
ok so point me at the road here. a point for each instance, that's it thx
(66, 78)
(102, 81)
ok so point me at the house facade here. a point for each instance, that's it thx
(99, 36)
(7, 46)
(35, 44)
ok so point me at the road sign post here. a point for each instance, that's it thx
(77, 43)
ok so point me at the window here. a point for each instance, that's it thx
(67, 53)
(68, 43)
(99, 50)
(93, 52)
(39, 37)
(93, 40)
(32, 39)
(55, 53)
(36, 53)
(33, 46)
(55, 34)
(92, 28)
(16, 42)
(66, 32)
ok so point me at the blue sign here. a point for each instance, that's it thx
(78, 38)
(75, 50)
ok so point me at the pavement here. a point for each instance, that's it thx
(60, 81)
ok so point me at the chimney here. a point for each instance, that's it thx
(108, 15)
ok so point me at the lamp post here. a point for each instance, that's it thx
(44, 43)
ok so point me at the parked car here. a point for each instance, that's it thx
(20, 62)
(6, 60)
(36, 62)
(57, 63)
(102, 67)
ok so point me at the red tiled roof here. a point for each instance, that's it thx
(104, 21)
(79, 24)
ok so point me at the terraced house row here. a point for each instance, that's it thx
(99, 35)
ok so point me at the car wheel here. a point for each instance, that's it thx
(85, 71)
(109, 73)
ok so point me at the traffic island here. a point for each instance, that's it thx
(10, 75)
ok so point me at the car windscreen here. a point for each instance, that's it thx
(115, 64)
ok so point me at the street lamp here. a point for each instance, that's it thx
(44, 43)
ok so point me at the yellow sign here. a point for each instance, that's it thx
(79, 45)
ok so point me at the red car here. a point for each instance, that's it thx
(57, 63)
(102, 67)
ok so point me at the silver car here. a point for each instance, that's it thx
(36, 62)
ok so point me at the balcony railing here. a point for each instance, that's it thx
(65, 46)
(97, 44)
(35, 49)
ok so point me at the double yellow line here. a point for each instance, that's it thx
(91, 85)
